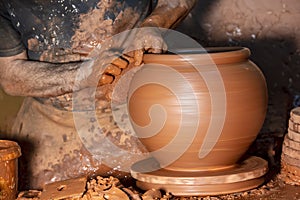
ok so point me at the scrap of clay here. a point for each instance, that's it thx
(105, 188)
(151, 194)
(72, 188)
(115, 193)
(30, 194)
(286, 167)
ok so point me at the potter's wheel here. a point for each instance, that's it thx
(244, 176)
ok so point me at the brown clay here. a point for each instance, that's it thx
(294, 126)
(9, 153)
(291, 143)
(289, 174)
(294, 135)
(295, 115)
(294, 153)
(290, 157)
(290, 160)
(291, 169)
(246, 103)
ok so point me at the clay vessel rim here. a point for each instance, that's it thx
(208, 50)
(9, 150)
(211, 55)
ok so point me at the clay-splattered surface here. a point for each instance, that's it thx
(112, 188)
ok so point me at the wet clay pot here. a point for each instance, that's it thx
(196, 110)
(9, 153)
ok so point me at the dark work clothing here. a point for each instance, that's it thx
(52, 29)
(10, 40)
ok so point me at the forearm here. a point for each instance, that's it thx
(167, 14)
(21, 77)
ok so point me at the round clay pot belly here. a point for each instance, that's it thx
(198, 110)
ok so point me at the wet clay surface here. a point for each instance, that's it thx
(237, 73)
(271, 31)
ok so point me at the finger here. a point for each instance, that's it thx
(129, 54)
(159, 47)
(106, 79)
(121, 63)
(83, 50)
(84, 58)
(138, 57)
(113, 70)
(129, 57)
(154, 50)
(164, 47)
(108, 95)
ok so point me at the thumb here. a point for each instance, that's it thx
(138, 57)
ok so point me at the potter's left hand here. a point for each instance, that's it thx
(167, 14)
(147, 39)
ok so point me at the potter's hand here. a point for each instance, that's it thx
(150, 40)
(111, 74)
(139, 41)
(106, 65)
(167, 14)
(114, 69)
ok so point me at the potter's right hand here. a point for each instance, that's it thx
(114, 69)
(103, 72)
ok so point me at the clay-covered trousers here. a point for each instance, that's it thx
(58, 144)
